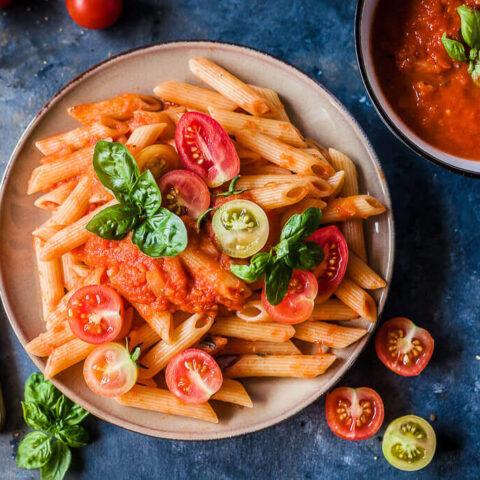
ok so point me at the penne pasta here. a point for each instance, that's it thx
(70, 276)
(253, 311)
(47, 230)
(143, 117)
(239, 346)
(357, 206)
(357, 299)
(229, 86)
(279, 195)
(300, 366)
(301, 206)
(47, 342)
(143, 337)
(160, 400)
(332, 309)
(329, 334)
(262, 169)
(362, 274)
(233, 392)
(160, 321)
(336, 182)
(143, 136)
(54, 198)
(277, 109)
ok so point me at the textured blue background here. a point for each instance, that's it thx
(436, 280)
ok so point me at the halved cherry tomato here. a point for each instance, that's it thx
(331, 271)
(193, 376)
(297, 306)
(205, 148)
(403, 347)
(94, 14)
(354, 413)
(184, 192)
(110, 371)
(95, 314)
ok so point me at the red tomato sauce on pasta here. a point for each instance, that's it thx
(433, 94)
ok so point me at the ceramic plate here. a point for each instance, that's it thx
(312, 108)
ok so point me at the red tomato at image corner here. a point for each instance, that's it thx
(5, 3)
(94, 14)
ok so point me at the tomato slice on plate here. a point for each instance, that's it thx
(206, 149)
(109, 370)
(403, 347)
(193, 376)
(297, 306)
(96, 313)
(331, 271)
(354, 413)
(184, 193)
(409, 443)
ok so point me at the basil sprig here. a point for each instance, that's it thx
(470, 28)
(55, 420)
(157, 232)
(290, 253)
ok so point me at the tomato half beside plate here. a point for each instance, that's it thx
(193, 376)
(297, 306)
(96, 314)
(403, 347)
(354, 413)
(331, 271)
(109, 370)
(206, 149)
(184, 193)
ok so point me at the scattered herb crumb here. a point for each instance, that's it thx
(433, 417)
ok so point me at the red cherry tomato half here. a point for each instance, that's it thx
(95, 314)
(94, 14)
(331, 271)
(109, 370)
(184, 192)
(193, 376)
(206, 149)
(403, 347)
(5, 3)
(297, 306)
(354, 413)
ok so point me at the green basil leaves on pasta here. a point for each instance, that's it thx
(157, 232)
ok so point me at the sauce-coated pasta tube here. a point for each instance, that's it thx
(277, 109)
(328, 334)
(362, 274)
(142, 117)
(332, 309)
(253, 311)
(76, 204)
(48, 341)
(279, 195)
(357, 299)
(70, 276)
(300, 366)
(54, 198)
(239, 346)
(357, 206)
(144, 336)
(233, 392)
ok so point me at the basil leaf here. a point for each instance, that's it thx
(277, 282)
(116, 168)
(470, 25)
(37, 389)
(37, 416)
(473, 53)
(75, 415)
(146, 195)
(163, 235)
(58, 464)
(455, 49)
(73, 435)
(114, 223)
(301, 226)
(283, 248)
(304, 256)
(476, 73)
(316, 251)
(34, 451)
(62, 407)
(256, 269)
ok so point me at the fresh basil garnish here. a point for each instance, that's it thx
(34, 451)
(289, 254)
(37, 389)
(455, 49)
(145, 194)
(73, 435)
(470, 25)
(59, 462)
(114, 223)
(163, 235)
(37, 416)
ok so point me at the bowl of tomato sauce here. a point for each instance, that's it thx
(428, 99)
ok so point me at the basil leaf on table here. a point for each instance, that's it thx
(277, 281)
(37, 389)
(455, 49)
(145, 194)
(34, 451)
(75, 415)
(256, 269)
(59, 463)
(37, 416)
(73, 435)
(301, 226)
(116, 168)
(114, 223)
(163, 235)
(470, 25)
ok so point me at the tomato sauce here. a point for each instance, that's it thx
(433, 94)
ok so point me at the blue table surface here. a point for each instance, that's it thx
(436, 279)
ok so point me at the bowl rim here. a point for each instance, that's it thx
(385, 117)
(114, 419)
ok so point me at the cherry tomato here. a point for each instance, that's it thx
(241, 227)
(331, 271)
(409, 443)
(94, 14)
(205, 148)
(5, 3)
(109, 370)
(193, 376)
(159, 159)
(95, 314)
(403, 347)
(297, 306)
(354, 413)
(184, 192)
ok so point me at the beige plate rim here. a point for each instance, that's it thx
(16, 324)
